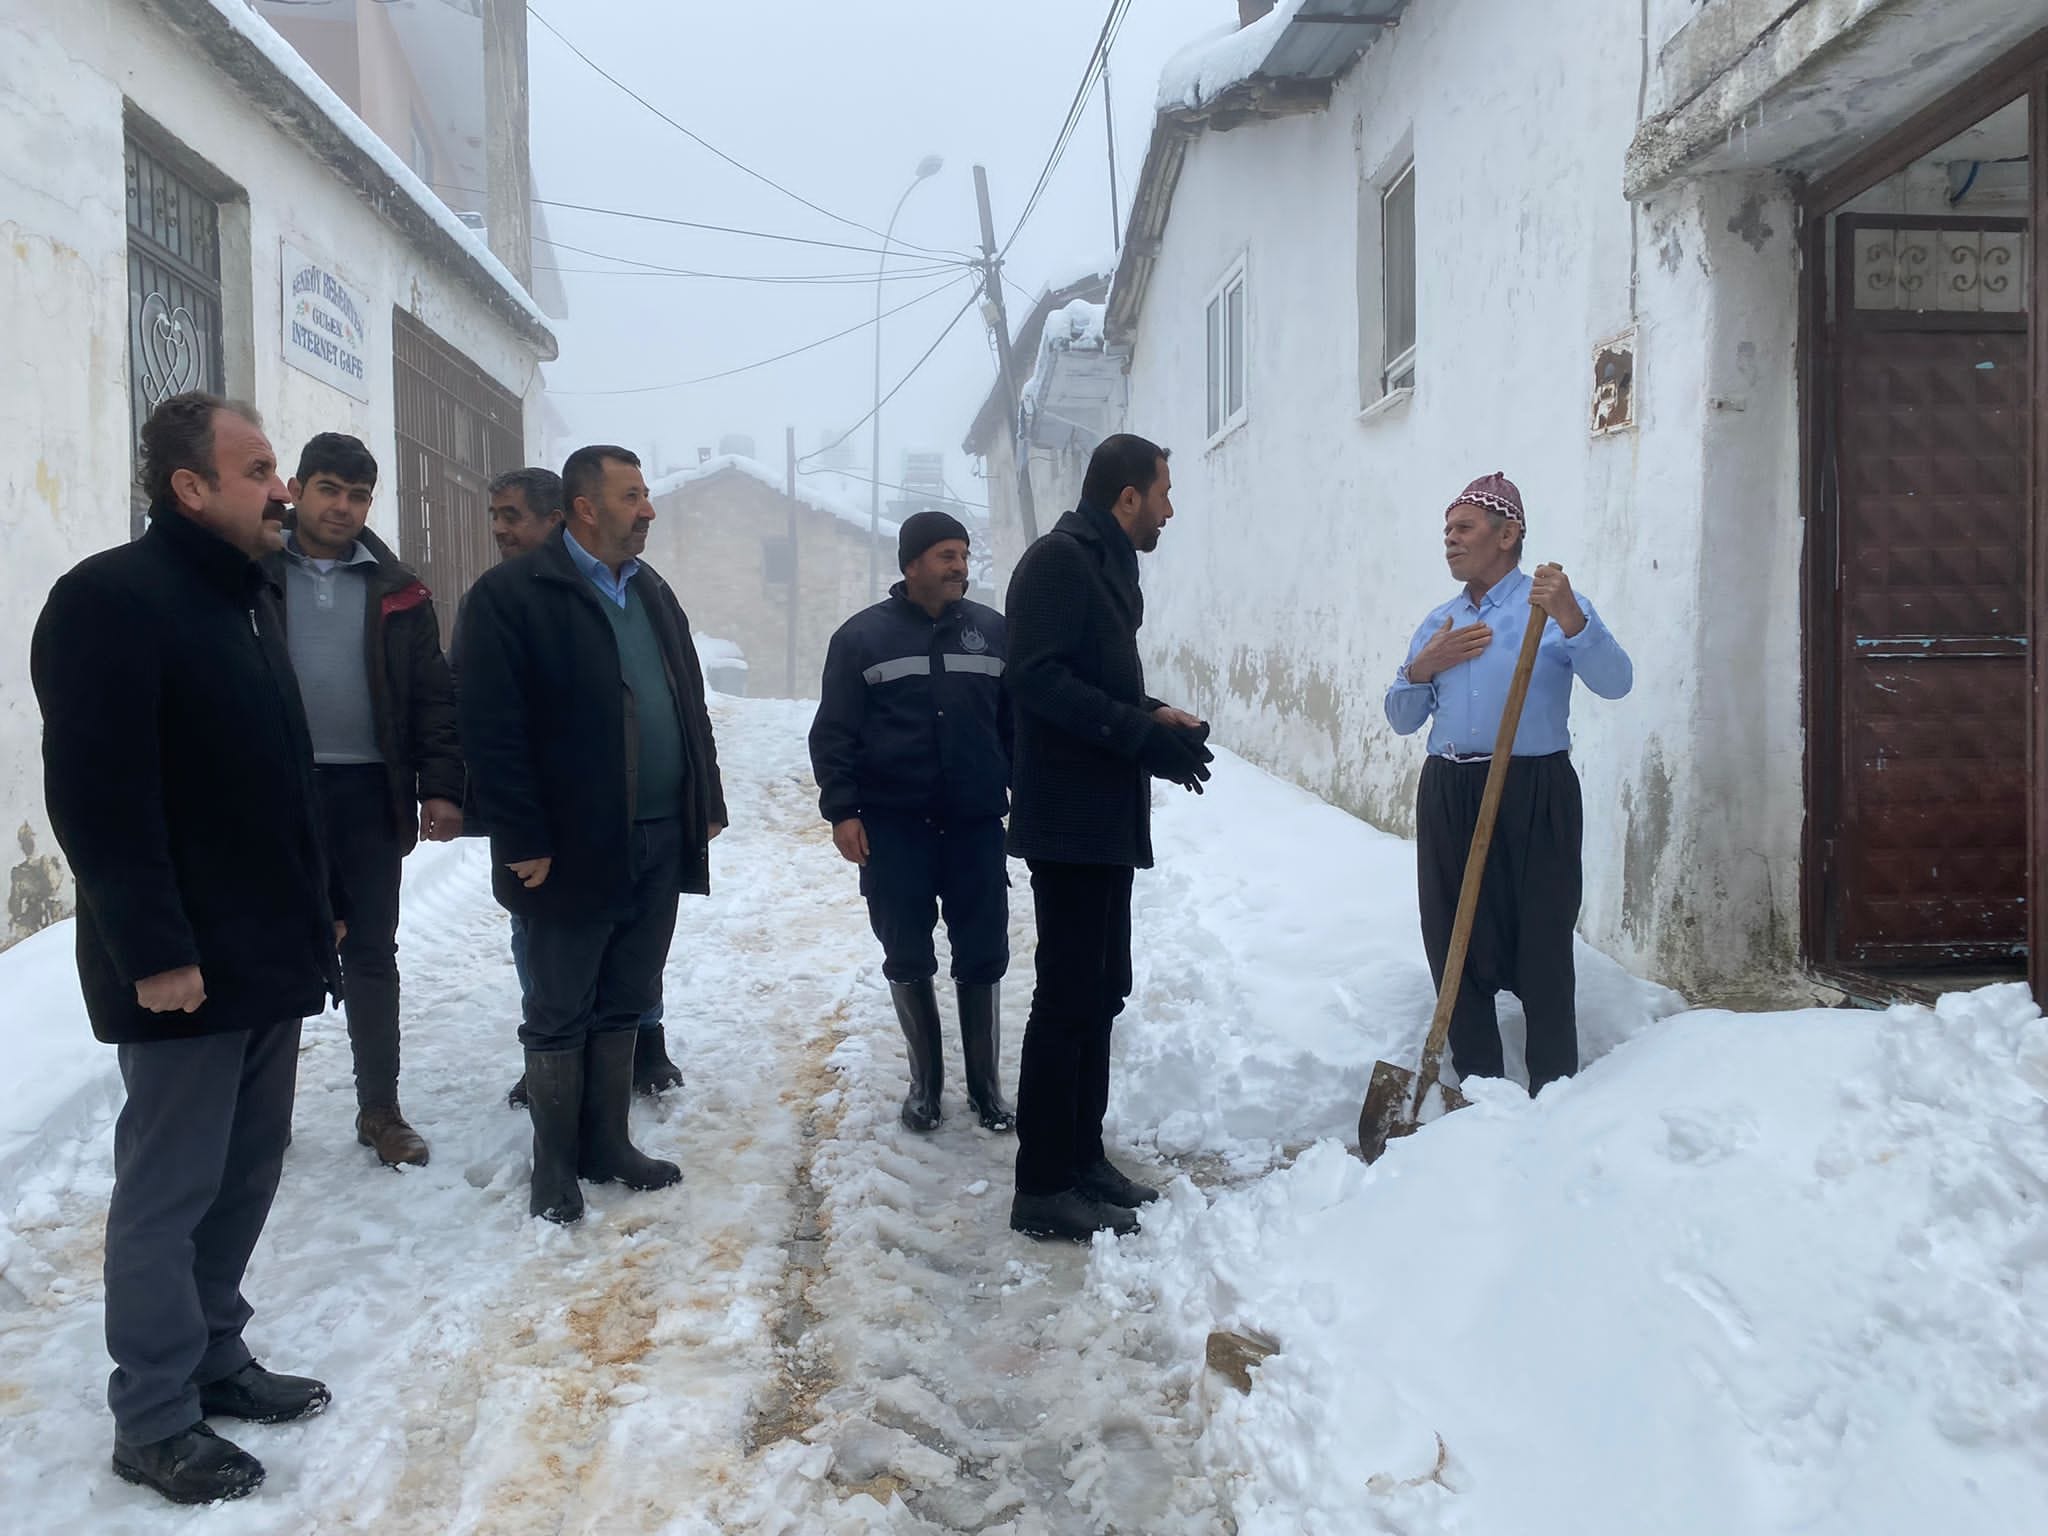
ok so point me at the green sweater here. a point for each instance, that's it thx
(661, 752)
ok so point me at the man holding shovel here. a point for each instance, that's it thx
(1457, 679)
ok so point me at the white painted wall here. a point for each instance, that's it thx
(1307, 543)
(65, 71)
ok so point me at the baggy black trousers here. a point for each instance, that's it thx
(1083, 978)
(1528, 906)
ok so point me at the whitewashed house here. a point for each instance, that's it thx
(1739, 292)
(185, 204)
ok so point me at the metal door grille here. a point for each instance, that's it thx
(174, 335)
(457, 428)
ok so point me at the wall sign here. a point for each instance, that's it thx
(326, 332)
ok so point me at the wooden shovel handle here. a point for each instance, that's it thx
(1475, 860)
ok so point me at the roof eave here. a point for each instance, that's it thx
(285, 103)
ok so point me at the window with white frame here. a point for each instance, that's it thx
(1224, 323)
(1397, 282)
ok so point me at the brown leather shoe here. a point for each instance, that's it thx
(384, 1130)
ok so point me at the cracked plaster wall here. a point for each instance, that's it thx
(65, 71)
(1307, 543)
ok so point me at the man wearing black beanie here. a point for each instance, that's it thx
(911, 749)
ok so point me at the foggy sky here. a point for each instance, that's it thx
(838, 100)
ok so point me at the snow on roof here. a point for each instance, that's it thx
(1077, 327)
(268, 41)
(1212, 64)
(733, 463)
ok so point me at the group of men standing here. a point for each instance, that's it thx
(249, 722)
(937, 714)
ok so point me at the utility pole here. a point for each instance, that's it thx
(789, 447)
(1116, 226)
(508, 176)
(999, 323)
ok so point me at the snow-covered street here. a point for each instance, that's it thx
(1764, 1275)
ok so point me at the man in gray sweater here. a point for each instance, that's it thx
(366, 646)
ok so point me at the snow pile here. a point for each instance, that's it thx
(1211, 65)
(808, 496)
(1076, 327)
(268, 41)
(1752, 1274)
(1277, 955)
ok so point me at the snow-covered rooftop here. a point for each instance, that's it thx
(809, 496)
(1222, 58)
(266, 39)
(1077, 327)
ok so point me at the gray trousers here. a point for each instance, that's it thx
(197, 1153)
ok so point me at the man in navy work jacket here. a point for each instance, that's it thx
(179, 776)
(1456, 680)
(911, 748)
(590, 752)
(1090, 741)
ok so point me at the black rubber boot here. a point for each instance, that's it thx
(981, 1047)
(1106, 1181)
(1071, 1215)
(608, 1152)
(917, 1010)
(653, 1073)
(194, 1466)
(554, 1095)
(262, 1397)
(515, 1097)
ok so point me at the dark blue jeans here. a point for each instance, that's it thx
(651, 1019)
(920, 865)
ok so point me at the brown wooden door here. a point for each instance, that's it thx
(1926, 860)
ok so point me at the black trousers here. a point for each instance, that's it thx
(1528, 907)
(367, 858)
(198, 1149)
(595, 974)
(1083, 978)
(918, 865)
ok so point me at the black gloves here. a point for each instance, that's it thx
(1178, 754)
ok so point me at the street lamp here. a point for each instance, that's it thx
(928, 167)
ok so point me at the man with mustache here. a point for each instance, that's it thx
(525, 509)
(911, 749)
(179, 778)
(592, 762)
(1456, 680)
(366, 646)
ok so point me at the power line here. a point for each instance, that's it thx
(957, 259)
(656, 269)
(897, 389)
(699, 139)
(726, 373)
(891, 485)
(1097, 62)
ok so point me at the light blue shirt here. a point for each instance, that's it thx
(1463, 704)
(612, 588)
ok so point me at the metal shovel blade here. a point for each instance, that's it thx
(1390, 1108)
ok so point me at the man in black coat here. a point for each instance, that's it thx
(179, 779)
(911, 750)
(1089, 741)
(379, 701)
(526, 510)
(592, 760)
